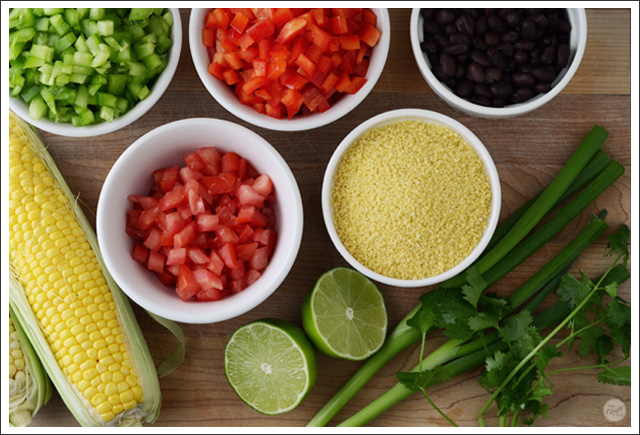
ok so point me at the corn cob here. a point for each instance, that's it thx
(79, 322)
(29, 386)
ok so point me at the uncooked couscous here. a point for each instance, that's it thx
(410, 199)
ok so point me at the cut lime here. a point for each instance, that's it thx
(344, 315)
(271, 365)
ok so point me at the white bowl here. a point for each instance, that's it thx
(166, 146)
(577, 44)
(224, 95)
(160, 86)
(429, 117)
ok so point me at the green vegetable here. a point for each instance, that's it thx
(54, 53)
(491, 267)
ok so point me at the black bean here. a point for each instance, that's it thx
(525, 93)
(427, 13)
(450, 29)
(481, 25)
(528, 30)
(544, 73)
(523, 45)
(431, 28)
(492, 75)
(498, 102)
(522, 79)
(448, 64)
(429, 47)
(475, 73)
(460, 71)
(463, 58)
(540, 20)
(452, 82)
(466, 24)
(548, 55)
(496, 58)
(437, 71)
(456, 49)
(553, 22)
(512, 18)
(441, 40)
(444, 17)
(459, 38)
(563, 26)
(520, 57)
(496, 24)
(482, 90)
(481, 58)
(524, 67)
(506, 48)
(500, 89)
(542, 88)
(464, 89)
(491, 39)
(481, 101)
(562, 55)
(511, 36)
(534, 57)
(478, 42)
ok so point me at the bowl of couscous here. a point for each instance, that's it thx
(411, 198)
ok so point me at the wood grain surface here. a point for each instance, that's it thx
(528, 151)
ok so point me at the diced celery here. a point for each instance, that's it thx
(96, 13)
(48, 98)
(42, 24)
(82, 59)
(42, 51)
(137, 14)
(65, 42)
(33, 62)
(59, 24)
(107, 113)
(158, 26)
(82, 13)
(88, 27)
(72, 17)
(137, 69)
(144, 93)
(100, 59)
(116, 84)
(30, 92)
(144, 49)
(164, 43)
(168, 17)
(122, 105)
(152, 61)
(78, 78)
(52, 11)
(81, 44)
(82, 97)
(86, 116)
(37, 107)
(105, 27)
(22, 35)
(105, 99)
(62, 79)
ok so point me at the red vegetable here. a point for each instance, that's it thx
(267, 54)
(206, 228)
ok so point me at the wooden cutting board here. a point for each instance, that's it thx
(528, 152)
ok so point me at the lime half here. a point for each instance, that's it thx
(271, 365)
(344, 315)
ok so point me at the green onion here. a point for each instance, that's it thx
(50, 48)
(403, 334)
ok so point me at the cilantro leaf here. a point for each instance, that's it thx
(616, 375)
(418, 381)
(618, 242)
(573, 291)
(546, 354)
(476, 285)
(482, 321)
(452, 312)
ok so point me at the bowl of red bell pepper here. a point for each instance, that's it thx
(289, 69)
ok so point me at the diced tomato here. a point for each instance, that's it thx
(239, 22)
(185, 236)
(228, 254)
(176, 256)
(140, 253)
(370, 35)
(187, 284)
(208, 37)
(207, 235)
(252, 276)
(260, 259)
(207, 222)
(156, 261)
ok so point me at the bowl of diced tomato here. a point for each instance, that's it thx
(199, 220)
(289, 69)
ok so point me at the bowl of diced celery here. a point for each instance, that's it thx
(89, 71)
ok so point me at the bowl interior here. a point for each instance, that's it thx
(429, 117)
(160, 86)
(577, 44)
(165, 147)
(224, 95)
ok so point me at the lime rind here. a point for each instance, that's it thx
(344, 315)
(270, 364)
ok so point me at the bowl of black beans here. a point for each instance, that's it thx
(498, 63)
